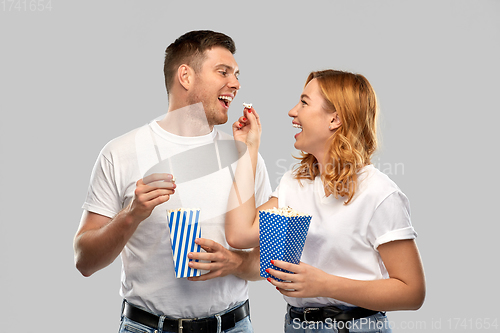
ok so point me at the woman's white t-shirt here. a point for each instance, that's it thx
(343, 239)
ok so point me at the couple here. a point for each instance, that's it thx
(360, 256)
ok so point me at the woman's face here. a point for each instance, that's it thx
(316, 123)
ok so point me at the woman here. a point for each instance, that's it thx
(360, 258)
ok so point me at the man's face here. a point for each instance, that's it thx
(216, 84)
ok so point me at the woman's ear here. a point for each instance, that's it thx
(185, 76)
(335, 122)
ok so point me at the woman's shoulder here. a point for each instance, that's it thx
(374, 181)
(291, 177)
(289, 182)
(286, 179)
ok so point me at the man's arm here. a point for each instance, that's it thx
(250, 265)
(100, 239)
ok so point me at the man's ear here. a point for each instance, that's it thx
(335, 122)
(185, 76)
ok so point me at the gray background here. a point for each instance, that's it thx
(84, 72)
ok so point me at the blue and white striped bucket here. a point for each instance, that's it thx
(184, 229)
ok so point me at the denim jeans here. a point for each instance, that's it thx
(129, 326)
(378, 323)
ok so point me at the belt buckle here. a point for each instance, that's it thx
(309, 310)
(180, 321)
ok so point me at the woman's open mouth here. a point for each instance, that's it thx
(297, 126)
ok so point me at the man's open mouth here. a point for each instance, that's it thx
(226, 100)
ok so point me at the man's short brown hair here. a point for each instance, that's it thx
(190, 49)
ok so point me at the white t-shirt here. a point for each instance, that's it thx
(148, 277)
(343, 239)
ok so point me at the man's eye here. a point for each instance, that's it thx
(224, 73)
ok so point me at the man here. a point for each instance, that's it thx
(126, 205)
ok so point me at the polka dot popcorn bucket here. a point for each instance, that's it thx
(281, 238)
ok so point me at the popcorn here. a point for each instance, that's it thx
(282, 235)
(285, 211)
(247, 105)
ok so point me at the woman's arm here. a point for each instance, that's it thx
(242, 229)
(241, 225)
(403, 290)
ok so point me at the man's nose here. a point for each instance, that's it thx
(234, 83)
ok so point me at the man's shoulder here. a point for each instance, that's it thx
(124, 142)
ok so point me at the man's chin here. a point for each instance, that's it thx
(220, 119)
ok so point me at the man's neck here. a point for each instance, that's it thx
(186, 121)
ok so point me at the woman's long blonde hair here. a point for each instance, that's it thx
(353, 143)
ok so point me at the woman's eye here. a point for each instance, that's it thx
(303, 102)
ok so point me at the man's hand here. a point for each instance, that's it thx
(150, 192)
(100, 239)
(220, 261)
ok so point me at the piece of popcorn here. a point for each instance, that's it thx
(247, 105)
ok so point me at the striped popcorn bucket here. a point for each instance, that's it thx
(184, 229)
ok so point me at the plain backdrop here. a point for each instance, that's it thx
(76, 74)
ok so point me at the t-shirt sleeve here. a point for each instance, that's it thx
(391, 221)
(262, 184)
(276, 192)
(102, 195)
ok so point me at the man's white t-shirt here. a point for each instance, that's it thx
(148, 277)
(342, 239)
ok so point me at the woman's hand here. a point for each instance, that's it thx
(308, 281)
(248, 128)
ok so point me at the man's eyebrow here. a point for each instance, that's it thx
(228, 67)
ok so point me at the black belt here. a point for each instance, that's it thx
(208, 325)
(332, 312)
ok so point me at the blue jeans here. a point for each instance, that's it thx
(129, 326)
(378, 323)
